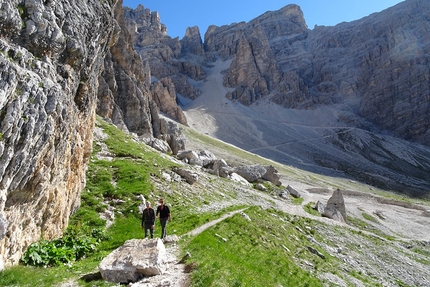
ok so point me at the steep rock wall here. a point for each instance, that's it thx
(126, 95)
(51, 54)
(163, 56)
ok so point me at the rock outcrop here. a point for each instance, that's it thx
(51, 55)
(162, 54)
(335, 207)
(126, 97)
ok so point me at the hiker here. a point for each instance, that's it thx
(148, 220)
(163, 212)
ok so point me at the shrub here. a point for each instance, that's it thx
(74, 245)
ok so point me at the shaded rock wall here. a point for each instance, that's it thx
(126, 95)
(163, 56)
(51, 55)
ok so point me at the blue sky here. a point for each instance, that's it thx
(178, 15)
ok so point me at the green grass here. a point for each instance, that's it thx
(253, 253)
(269, 250)
(309, 208)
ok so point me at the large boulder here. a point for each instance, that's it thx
(272, 175)
(335, 207)
(291, 190)
(136, 259)
(189, 176)
(254, 173)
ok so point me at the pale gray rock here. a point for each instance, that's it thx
(335, 208)
(170, 239)
(189, 176)
(237, 178)
(272, 175)
(293, 191)
(192, 41)
(246, 216)
(320, 207)
(254, 173)
(207, 157)
(50, 58)
(220, 167)
(336, 202)
(189, 156)
(134, 260)
(160, 145)
(251, 173)
(260, 187)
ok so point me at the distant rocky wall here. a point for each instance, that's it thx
(51, 55)
(126, 95)
(161, 53)
(376, 68)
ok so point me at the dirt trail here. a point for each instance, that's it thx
(205, 226)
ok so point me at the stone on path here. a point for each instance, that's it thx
(134, 260)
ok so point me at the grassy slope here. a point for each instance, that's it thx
(270, 250)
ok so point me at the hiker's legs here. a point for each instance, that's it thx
(163, 222)
(148, 226)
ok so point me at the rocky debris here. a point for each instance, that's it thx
(245, 174)
(293, 191)
(202, 158)
(51, 54)
(189, 176)
(253, 173)
(134, 260)
(335, 208)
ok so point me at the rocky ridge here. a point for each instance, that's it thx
(125, 95)
(311, 98)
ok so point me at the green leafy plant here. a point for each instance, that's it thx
(73, 246)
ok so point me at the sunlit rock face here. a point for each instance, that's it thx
(51, 55)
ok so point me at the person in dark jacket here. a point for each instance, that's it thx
(163, 212)
(148, 220)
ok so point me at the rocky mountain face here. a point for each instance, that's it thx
(378, 65)
(51, 55)
(349, 100)
(127, 98)
(163, 54)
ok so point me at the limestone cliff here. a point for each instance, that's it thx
(377, 66)
(126, 95)
(51, 55)
(170, 73)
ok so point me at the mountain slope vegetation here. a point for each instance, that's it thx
(280, 245)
